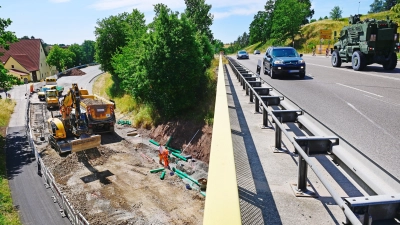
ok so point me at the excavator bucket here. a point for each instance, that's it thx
(85, 143)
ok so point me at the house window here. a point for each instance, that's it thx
(12, 66)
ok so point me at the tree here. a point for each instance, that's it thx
(168, 72)
(111, 35)
(199, 13)
(326, 17)
(376, 6)
(25, 37)
(313, 20)
(288, 17)
(336, 13)
(60, 58)
(259, 28)
(320, 18)
(388, 4)
(6, 37)
(126, 62)
(88, 49)
(78, 58)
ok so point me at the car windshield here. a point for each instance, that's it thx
(284, 53)
(242, 52)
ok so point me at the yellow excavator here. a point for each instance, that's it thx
(69, 131)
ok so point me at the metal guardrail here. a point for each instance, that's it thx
(370, 175)
(305, 146)
(222, 201)
(67, 210)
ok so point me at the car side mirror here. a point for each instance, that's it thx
(301, 55)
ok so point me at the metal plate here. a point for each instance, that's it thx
(294, 71)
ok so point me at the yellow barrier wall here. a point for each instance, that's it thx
(222, 201)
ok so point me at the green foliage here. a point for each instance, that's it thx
(336, 13)
(259, 28)
(60, 58)
(288, 18)
(111, 35)
(388, 4)
(396, 8)
(88, 49)
(312, 20)
(78, 54)
(199, 13)
(168, 72)
(376, 6)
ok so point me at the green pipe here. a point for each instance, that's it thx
(180, 175)
(166, 144)
(203, 193)
(174, 150)
(179, 156)
(162, 175)
(154, 142)
(157, 170)
(185, 175)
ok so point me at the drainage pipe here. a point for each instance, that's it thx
(179, 156)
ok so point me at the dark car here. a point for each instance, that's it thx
(242, 55)
(283, 61)
(257, 52)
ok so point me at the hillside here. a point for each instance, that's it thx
(309, 33)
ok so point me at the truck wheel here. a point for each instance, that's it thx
(358, 61)
(302, 75)
(392, 63)
(335, 59)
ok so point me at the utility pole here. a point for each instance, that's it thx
(358, 8)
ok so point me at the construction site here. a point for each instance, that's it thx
(121, 180)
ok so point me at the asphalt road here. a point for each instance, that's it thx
(29, 194)
(361, 107)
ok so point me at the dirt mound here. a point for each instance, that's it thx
(182, 132)
(74, 72)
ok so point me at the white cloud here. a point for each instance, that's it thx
(59, 1)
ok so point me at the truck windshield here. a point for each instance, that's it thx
(51, 94)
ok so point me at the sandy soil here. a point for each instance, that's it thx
(112, 184)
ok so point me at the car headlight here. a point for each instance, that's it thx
(278, 62)
(301, 61)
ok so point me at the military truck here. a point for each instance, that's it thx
(366, 42)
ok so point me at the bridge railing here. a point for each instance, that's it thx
(222, 201)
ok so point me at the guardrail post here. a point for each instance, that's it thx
(251, 96)
(310, 146)
(257, 105)
(265, 117)
(302, 172)
(247, 88)
(278, 136)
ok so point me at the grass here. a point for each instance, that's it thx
(143, 115)
(8, 215)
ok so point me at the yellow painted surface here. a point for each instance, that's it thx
(222, 201)
(12, 62)
(44, 69)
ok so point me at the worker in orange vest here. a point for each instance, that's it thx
(160, 153)
(165, 157)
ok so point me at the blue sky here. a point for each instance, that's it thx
(73, 21)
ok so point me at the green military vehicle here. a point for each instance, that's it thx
(366, 42)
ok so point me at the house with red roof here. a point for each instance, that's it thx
(26, 60)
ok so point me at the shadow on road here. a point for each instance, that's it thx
(17, 151)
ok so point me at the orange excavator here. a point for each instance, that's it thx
(69, 132)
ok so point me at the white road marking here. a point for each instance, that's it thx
(359, 90)
(379, 127)
(390, 103)
(353, 71)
